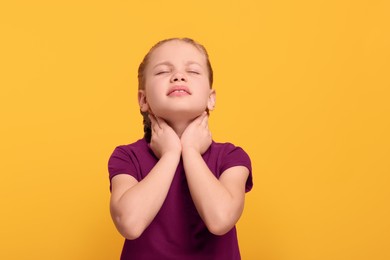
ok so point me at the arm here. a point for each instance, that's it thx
(219, 202)
(134, 204)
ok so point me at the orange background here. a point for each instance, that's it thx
(302, 86)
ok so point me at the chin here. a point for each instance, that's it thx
(181, 115)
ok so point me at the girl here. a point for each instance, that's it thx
(177, 194)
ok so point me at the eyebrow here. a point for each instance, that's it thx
(167, 63)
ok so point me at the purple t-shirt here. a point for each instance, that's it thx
(177, 231)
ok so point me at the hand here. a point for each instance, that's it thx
(164, 139)
(197, 135)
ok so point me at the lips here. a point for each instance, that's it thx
(178, 91)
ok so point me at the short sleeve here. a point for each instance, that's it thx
(236, 156)
(122, 162)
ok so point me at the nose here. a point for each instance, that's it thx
(178, 76)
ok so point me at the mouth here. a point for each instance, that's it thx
(178, 91)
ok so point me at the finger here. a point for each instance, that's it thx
(205, 120)
(152, 119)
(154, 122)
(199, 119)
(161, 122)
(158, 121)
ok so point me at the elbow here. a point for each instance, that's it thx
(128, 225)
(220, 227)
(221, 223)
(131, 233)
(128, 229)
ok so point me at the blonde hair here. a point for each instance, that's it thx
(142, 68)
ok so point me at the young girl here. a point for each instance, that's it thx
(177, 194)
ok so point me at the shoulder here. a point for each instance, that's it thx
(139, 145)
(226, 148)
(227, 155)
(127, 158)
(136, 149)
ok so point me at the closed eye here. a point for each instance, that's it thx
(194, 72)
(162, 72)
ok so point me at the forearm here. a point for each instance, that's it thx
(137, 206)
(219, 209)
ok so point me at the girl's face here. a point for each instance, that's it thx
(176, 83)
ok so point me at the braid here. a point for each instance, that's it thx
(147, 126)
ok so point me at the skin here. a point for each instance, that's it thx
(179, 130)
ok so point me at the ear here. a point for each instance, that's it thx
(143, 104)
(211, 101)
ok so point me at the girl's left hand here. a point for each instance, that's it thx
(197, 135)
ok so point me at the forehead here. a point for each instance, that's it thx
(176, 51)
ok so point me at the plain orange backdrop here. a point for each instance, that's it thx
(302, 86)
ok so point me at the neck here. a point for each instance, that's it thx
(179, 127)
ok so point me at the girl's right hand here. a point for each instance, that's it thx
(164, 139)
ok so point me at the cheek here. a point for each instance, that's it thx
(151, 91)
(154, 98)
